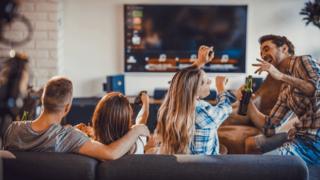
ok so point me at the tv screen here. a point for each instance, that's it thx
(166, 38)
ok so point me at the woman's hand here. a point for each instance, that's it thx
(143, 114)
(221, 81)
(145, 99)
(238, 92)
(141, 130)
(205, 55)
(88, 130)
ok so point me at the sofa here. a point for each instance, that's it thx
(63, 166)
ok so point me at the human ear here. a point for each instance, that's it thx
(285, 48)
(67, 108)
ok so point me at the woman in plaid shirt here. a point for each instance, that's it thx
(187, 124)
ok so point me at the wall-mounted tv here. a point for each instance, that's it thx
(165, 38)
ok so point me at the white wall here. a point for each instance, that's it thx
(93, 39)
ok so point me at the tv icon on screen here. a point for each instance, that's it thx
(136, 40)
(131, 59)
(224, 58)
(162, 57)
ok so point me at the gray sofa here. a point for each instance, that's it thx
(33, 165)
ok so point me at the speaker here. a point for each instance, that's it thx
(115, 83)
(159, 93)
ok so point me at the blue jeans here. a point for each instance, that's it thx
(305, 147)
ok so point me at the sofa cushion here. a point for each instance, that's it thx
(239, 167)
(314, 172)
(234, 136)
(41, 165)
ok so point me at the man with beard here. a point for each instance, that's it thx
(299, 94)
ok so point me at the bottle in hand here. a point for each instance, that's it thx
(246, 95)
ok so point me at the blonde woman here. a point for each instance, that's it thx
(186, 123)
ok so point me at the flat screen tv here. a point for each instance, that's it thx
(165, 38)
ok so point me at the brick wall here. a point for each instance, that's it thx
(45, 49)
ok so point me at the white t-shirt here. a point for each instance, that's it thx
(140, 143)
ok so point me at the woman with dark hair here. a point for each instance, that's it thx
(14, 78)
(112, 119)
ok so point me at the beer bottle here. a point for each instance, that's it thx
(24, 116)
(246, 95)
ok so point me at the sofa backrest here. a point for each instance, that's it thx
(62, 166)
(186, 167)
(49, 166)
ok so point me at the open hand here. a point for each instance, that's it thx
(221, 81)
(268, 67)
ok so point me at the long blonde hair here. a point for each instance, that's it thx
(176, 116)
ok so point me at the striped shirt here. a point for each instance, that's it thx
(208, 119)
(291, 99)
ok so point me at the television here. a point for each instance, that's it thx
(166, 38)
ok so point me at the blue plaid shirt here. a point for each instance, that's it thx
(208, 119)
